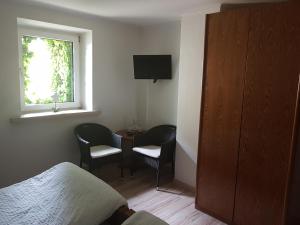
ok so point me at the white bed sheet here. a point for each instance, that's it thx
(64, 194)
(143, 218)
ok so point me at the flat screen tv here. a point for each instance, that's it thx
(152, 67)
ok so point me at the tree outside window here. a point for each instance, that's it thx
(47, 70)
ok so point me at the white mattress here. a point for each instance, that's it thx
(64, 194)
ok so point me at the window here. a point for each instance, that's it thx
(48, 70)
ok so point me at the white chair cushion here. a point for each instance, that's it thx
(149, 150)
(103, 150)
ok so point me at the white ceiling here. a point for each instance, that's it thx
(140, 11)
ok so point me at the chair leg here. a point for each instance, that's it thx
(132, 164)
(131, 171)
(157, 175)
(80, 164)
(173, 167)
(90, 167)
(121, 165)
(122, 172)
(157, 179)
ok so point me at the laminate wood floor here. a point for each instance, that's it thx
(173, 203)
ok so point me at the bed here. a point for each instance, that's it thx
(66, 194)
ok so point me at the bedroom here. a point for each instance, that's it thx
(111, 96)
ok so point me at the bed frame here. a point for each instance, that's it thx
(120, 215)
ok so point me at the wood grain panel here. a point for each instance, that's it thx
(293, 216)
(293, 203)
(226, 45)
(268, 115)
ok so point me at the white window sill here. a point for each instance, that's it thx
(59, 114)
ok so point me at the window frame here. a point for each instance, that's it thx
(57, 35)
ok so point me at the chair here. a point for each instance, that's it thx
(156, 147)
(97, 143)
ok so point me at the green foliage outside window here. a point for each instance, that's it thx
(27, 55)
(56, 78)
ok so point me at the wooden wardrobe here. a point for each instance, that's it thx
(248, 168)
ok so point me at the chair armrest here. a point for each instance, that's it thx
(83, 141)
(84, 147)
(116, 141)
(167, 150)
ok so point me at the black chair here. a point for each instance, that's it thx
(156, 147)
(98, 144)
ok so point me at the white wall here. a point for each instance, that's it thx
(30, 147)
(157, 102)
(189, 95)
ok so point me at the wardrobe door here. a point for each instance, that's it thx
(270, 97)
(225, 55)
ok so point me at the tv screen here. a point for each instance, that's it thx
(152, 66)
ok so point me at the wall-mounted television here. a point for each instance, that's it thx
(152, 67)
